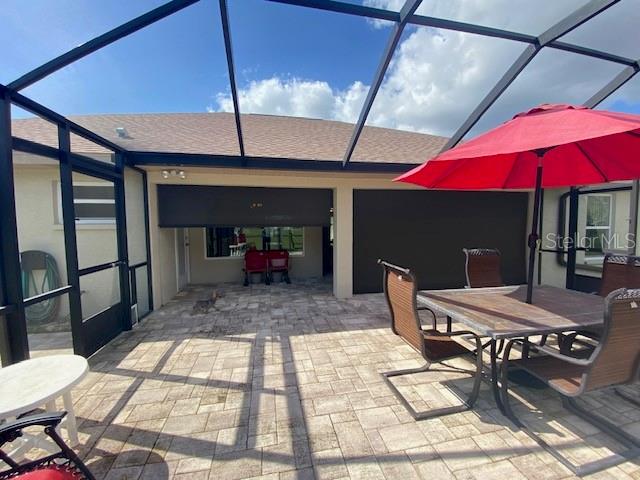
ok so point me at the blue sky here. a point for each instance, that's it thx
(179, 63)
(304, 62)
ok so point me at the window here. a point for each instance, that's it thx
(598, 226)
(234, 241)
(94, 203)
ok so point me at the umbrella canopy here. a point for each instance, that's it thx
(582, 146)
(552, 145)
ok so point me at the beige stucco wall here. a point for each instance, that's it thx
(229, 269)
(163, 253)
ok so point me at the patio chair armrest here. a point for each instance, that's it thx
(460, 333)
(561, 356)
(552, 352)
(12, 430)
(434, 321)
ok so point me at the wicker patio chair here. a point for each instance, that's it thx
(615, 361)
(63, 465)
(618, 271)
(482, 267)
(400, 290)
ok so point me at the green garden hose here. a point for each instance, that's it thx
(31, 262)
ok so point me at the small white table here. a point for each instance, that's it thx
(34, 383)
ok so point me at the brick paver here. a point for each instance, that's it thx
(283, 382)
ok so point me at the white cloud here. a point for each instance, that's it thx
(296, 97)
(437, 77)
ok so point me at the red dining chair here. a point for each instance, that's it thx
(256, 261)
(279, 262)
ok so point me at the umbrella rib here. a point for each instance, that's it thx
(595, 165)
(506, 180)
(448, 173)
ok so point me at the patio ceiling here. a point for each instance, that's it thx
(549, 39)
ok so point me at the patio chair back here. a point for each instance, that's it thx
(278, 260)
(619, 271)
(482, 267)
(255, 261)
(400, 291)
(616, 359)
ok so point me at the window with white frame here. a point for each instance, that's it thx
(94, 203)
(598, 226)
(235, 241)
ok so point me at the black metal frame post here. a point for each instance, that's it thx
(123, 250)
(9, 250)
(70, 242)
(632, 239)
(407, 10)
(145, 189)
(226, 32)
(564, 26)
(99, 42)
(618, 81)
(572, 238)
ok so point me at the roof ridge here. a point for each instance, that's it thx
(264, 115)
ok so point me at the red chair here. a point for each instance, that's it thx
(256, 261)
(279, 262)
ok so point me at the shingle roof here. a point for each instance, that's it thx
(264, 136)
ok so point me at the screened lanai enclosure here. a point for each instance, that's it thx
(91, 203)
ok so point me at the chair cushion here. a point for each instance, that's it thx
(50, 473)
(562, 376)
(441, 347)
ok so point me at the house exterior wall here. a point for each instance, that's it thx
(229, 269)
(37, 205)
(163, 253)
(552, 272)
(342, 184)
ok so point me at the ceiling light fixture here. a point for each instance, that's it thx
(166, 174)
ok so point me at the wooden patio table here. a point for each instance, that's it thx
(501, 313)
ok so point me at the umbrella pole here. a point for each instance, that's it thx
(533, 236)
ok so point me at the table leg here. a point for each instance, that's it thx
(72, 428)
(525, 348)
(51, 407)
(494, 375)
(448, 324)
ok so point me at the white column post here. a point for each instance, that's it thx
(154, 242)
(343, 242)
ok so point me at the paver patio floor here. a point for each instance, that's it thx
(283, 382)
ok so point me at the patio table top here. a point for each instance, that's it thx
(501, 312)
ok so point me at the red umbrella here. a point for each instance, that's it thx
(552, 145)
